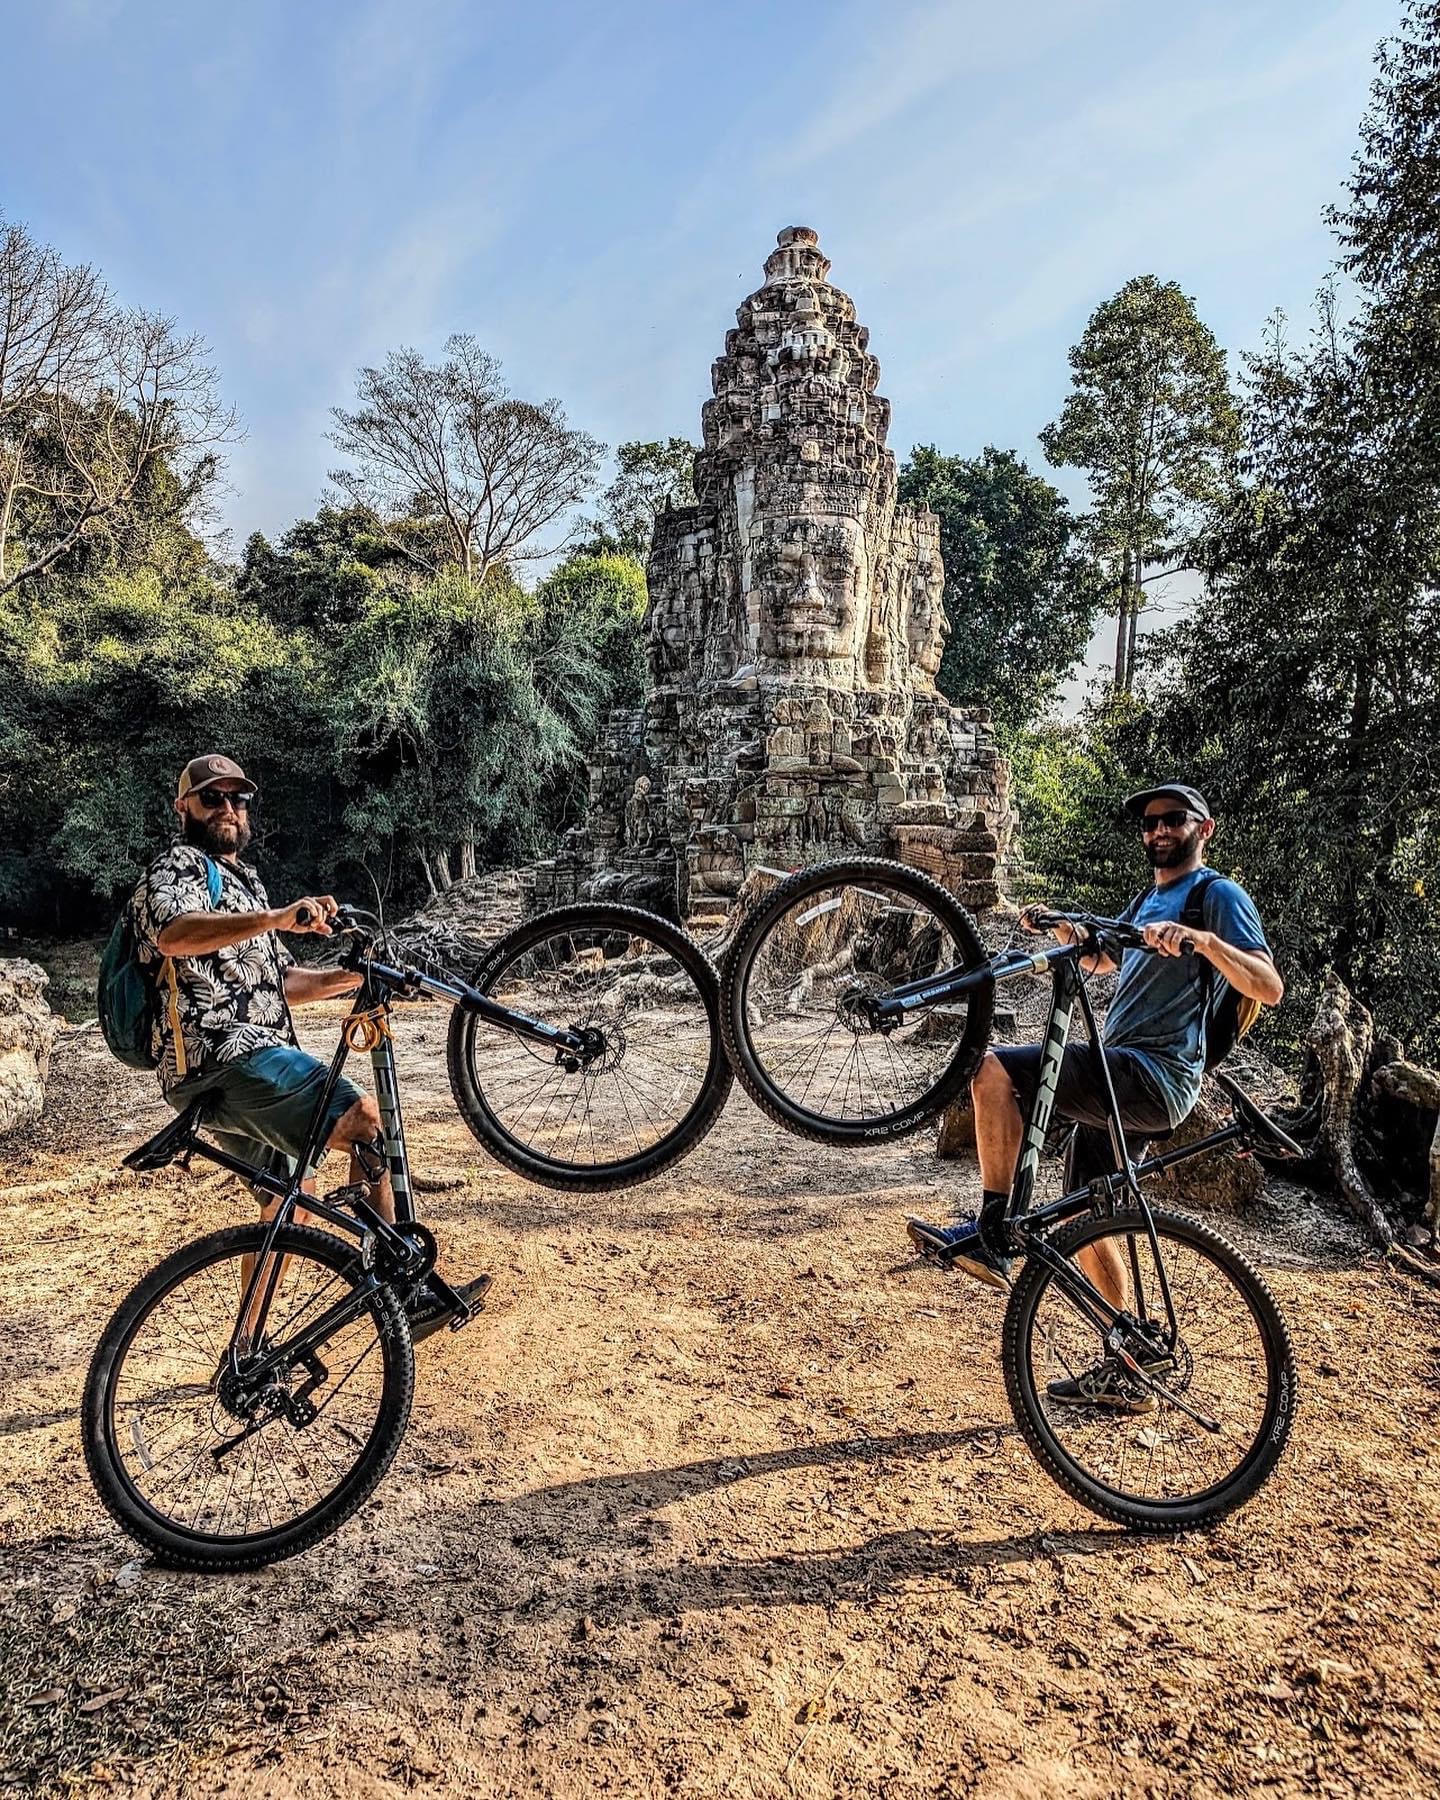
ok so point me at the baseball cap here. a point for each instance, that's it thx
(205, 771)
(1170, 790)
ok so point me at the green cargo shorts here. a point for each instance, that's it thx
(261, 1105)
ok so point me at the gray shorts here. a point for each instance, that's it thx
(261, 1105)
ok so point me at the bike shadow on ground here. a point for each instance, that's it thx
(589, 1521)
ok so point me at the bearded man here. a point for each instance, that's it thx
(223, 1031)
(1154, 1047)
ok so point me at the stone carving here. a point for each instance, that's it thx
(637, 815)
(795, 631)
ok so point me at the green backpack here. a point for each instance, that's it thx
(127, 997)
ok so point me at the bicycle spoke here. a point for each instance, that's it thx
(174, 1437)
(639, 1088)
(1138, 1440)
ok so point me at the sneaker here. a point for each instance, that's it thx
(1108, 1384)
(427, 1311)
(960, 1247)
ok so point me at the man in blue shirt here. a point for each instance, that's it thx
(1154, 1041)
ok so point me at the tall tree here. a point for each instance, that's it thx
(650, 477)
(448, 445)
(96, 404)
(1151, 421)
(1310, 683)
(1021, 591)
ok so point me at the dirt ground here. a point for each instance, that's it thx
(721, 1496)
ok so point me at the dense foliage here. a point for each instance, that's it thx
(1020, 592)
(423, 727)
(1304, 695)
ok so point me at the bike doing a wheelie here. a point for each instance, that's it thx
(251, 1391)
(857, 1002)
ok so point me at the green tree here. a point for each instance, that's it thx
(113, 682)
(324, 572)
(1151, 421)
(1021, 593)
(1307, 691)
(650, 477)
(445, 740)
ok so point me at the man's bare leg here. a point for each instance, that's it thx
(999, 1126)
(359, 1125)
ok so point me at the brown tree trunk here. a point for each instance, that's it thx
(1137, 593)
(1122, 629)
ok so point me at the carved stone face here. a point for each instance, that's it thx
(814, 574)
(926, 627)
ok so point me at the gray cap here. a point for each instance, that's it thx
(1170, 790)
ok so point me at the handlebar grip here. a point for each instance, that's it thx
(1188, 946)
(304, 915)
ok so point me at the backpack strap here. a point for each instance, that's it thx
(1193, 911)
(214, 885)
(177, 1037)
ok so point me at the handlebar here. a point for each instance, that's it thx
(1093, 927)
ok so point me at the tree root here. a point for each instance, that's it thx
(1342, 1047)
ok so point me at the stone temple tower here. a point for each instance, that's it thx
(795, 631)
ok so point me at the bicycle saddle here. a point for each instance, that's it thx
(171, 1140)
(1261, 1131)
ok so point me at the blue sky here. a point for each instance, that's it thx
(591, 190)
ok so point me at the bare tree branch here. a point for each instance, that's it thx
(92, 399)
(447, 441)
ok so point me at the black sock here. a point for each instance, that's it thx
(991, 1199)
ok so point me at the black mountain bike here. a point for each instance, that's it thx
(856, 1003)
(249, 1394)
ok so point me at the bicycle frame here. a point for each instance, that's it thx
(1030, 1226)
(396, 1252)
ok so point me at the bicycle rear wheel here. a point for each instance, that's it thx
(1205, 1431)
(652, 1089)
(792, 990)
(213, 1473)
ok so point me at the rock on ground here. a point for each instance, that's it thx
(27, 1034)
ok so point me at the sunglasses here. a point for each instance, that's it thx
(1153, 821)
(213, 800)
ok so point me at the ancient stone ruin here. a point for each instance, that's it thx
(796, 626)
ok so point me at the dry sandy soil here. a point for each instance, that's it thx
(721, 1496)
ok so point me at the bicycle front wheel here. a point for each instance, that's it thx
(794, 987)
(212, 1471)
(651, 1086)
(1204, 1428)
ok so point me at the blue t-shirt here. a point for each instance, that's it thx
(1159, 1007)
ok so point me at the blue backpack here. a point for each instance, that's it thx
(127, 997)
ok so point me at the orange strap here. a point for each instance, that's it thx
(363, 1031)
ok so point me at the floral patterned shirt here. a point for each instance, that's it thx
(232, 1000)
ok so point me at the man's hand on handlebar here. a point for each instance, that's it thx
(313, 914)
(1171, 939)
(1038, 918)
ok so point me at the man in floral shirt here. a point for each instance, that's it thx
(233, 985)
